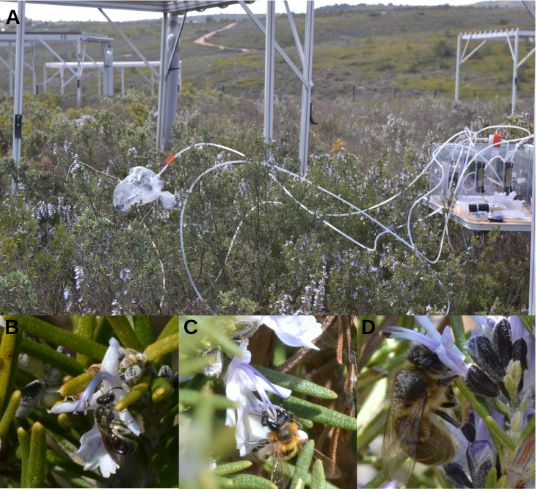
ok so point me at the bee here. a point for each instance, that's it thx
(420, 393)
(113, 432)
(283, 442)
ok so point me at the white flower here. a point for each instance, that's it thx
(291, 330)
(243, 384)
(92, 451)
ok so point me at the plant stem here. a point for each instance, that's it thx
(499, 436)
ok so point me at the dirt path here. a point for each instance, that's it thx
(203, 40)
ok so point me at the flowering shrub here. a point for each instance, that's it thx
(64, 247)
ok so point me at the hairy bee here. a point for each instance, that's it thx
(420, 393)
(283, 442)
(113, 432)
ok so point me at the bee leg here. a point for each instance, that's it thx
(447, 417)
(446, 380)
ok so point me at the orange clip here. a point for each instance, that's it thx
(169, 159)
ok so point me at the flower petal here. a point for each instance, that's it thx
(294, 330)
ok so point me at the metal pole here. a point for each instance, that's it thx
(458, 68)
(532, 277)
(161, 107)
(307, 88)
(171, 80)
(78, 73)
(11, 73)
(62, 74)
(34, 75)
(19, 85)
(269, 76)
(108, 73)
(514, 76)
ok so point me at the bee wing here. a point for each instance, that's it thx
(400, 441)
(280, 471)
(330, 469)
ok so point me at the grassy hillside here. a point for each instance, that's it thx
(401, 50)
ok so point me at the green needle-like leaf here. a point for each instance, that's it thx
(161, 389)
(297, 384)
(194, 398)
(303, 462)
(75, 385)
(7, 354)
(318, 479)
(50, 356)
(9, 413)
(246, 481)
(143, 330)
(84, 327)
(232, 467)
(59, 336)
(162, 347)
(24, 449)
(134, 394)
(170, 328)
(37, 460)
(125, 334)
(319, 414)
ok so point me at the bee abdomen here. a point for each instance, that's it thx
(436, 449)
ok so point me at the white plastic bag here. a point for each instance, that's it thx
(141, 186)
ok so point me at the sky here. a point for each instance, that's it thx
(57, 13)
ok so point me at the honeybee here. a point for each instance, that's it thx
(113, 432)
(420, 391)
(283, 442)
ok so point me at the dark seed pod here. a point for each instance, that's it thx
(485, 357)
(455, 473)
(469, 431)
(502, 341)
(479, 479)
(31, 395)
(480, 383)
(519, 351)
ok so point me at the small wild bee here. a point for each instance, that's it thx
(283, 442)
(420, 391)
(113, 432)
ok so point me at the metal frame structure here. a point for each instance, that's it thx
(305, 52)
(98, 65)
(510, 36)
(44, 38)
(8, 64)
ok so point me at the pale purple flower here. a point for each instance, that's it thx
(441, 344)
(248, 388)
(297, 331)
(92, 451)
